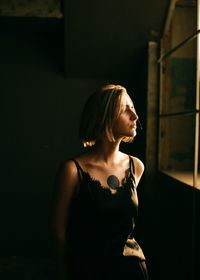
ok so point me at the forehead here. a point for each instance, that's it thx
(126, 100)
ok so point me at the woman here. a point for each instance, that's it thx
(96, 201)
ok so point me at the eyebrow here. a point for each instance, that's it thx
(128, 106)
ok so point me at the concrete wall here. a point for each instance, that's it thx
(40, 116)
(40, 110)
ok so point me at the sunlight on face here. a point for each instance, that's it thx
(126, 104)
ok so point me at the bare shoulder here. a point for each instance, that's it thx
(68, 167)
(139, 168)
(138, 163)
(67, 175)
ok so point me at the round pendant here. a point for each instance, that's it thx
(113, 182)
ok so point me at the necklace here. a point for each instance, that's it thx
(113, 182)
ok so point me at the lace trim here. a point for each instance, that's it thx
(129, 182)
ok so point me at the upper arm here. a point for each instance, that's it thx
(65, 187)
(139, 169)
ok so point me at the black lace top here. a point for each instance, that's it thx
(101, 223)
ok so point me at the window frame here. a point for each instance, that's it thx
(196, 111)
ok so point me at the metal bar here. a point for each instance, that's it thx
(151, 109)
(169, 15)
(192, 112)
(196, 154)
(194, 35)
(160, 98)
(196, 151)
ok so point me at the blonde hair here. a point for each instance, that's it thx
(101, 110)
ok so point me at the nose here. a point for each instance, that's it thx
(134, 116)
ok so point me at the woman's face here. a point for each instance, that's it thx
(125, 125)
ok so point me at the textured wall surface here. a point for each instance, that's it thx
(31, 8)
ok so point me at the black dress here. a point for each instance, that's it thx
(100, 242)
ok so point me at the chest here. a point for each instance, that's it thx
(111, 178)
(103, 201)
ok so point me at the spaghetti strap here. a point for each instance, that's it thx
(79, 169)
(131, 165)
(132, 168)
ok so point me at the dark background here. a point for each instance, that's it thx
(48, 68)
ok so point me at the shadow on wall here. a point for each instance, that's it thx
(169, 229)
(41, 111)
(32, 268)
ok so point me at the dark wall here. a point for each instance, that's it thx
(169, 228)
(40, 114)
(40, 109)
(107, 38)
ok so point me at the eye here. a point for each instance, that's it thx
(131, 109)
(128, 109)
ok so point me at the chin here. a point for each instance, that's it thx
(134, 134)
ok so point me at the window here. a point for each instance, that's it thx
(179, 93)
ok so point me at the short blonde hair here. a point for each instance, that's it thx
(101, 110)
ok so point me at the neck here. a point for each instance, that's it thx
(107, 151)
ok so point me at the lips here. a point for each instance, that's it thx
(134, 126)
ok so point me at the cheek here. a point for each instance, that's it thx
(121, 121)
(119, 124)
(116, 126)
